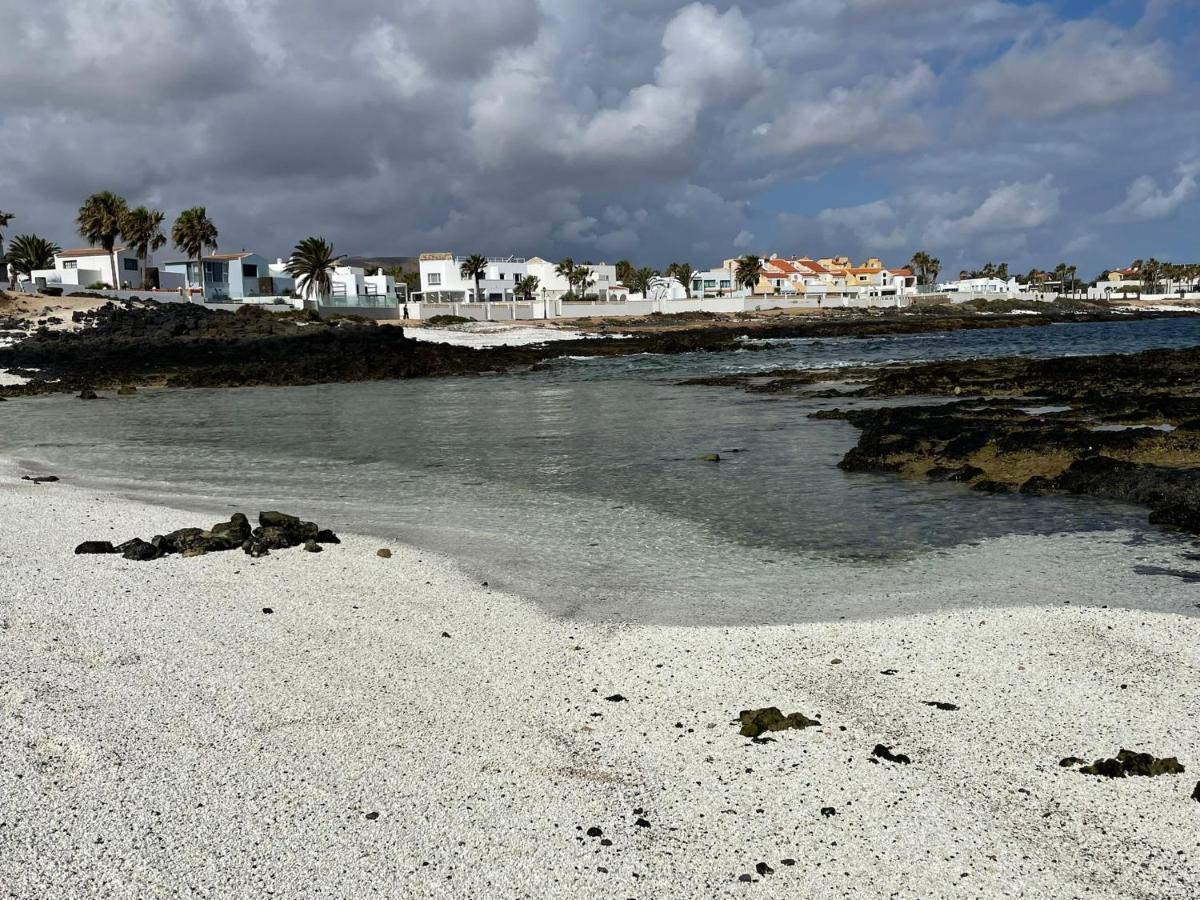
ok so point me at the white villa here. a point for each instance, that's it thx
(227, 277)
(603, 279)
(352, 287)
(442, 280)
(92, 266)
(976, 287)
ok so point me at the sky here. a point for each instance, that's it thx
(1031, 133)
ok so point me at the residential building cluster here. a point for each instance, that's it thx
(514, 287)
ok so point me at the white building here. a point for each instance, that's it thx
(227, 276)
(601, 282)
(90, 266)
(663, 287)
(713, 283)
(982, 287)
(442, 280)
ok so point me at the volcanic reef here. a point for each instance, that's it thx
(144, 343)
(1119, 427)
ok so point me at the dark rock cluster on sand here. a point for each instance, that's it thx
(1128, 764)
(755, 721)
(275, 531)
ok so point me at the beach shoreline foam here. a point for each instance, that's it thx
(395, 726)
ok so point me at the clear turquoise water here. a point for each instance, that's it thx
(582, 485)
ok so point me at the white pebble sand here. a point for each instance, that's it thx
(160, 735)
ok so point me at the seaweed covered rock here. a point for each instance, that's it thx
(1130, 764)
(756, 721)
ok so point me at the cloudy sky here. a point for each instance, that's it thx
(656, 130)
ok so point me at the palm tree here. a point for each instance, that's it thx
(5, 218)
(310, 264)
(583, 279)
(28, 252)
(749, 272)
(142, 230)
(925, 267)
(682, 272)
(566, 269)
(1150, 271)
(99, 222)
(527, 287)
(625, 271)
(192, 232)
(640, 280)
(474, 267)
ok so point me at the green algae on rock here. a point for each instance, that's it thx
(1131, 764)
(756, 721)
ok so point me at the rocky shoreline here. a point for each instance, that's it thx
(178, 345)
(1122, 427)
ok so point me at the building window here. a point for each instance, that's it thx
(435, 278)
(70, 264)
(249, 270)
(130, 265)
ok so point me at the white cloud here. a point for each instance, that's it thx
(1014, 207)
(874, 225)
(1086, 66)
(1145, 200)
(875, 113)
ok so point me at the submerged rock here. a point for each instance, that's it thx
(125, 390)
(1131, 764)
(756, 721)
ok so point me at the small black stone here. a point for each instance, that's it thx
(1196, 792)
(886, 753)
(642, 823)
(445, 634)
(746, 878)
(763, 869)
(372, 816)
(828, 811)
(888, 672)
(615, 698)
(605, 842)
(268, 610)
(945, 707)
(594, 831)
(788, 862)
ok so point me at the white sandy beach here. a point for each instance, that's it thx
(495, 334)
(160, 735)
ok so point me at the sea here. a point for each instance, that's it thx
(583, 485)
